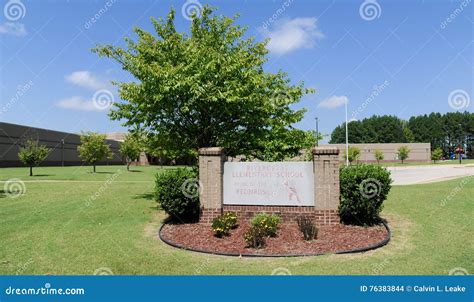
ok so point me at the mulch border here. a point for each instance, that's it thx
(358, 250)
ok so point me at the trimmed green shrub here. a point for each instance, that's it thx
(177, 191)
(255, 237)
(436, 154)
(222, 224)
(364, 188)
(269, 223)
(307, 227)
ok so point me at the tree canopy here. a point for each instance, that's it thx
(32, 154)
(207, 88)
(93, 148)
(444, 131)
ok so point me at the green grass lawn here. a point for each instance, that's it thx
(57, 228)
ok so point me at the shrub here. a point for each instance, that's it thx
(222, 225)
(353, 154)
(364, 188)
(269, 223)
(255, 237)
(379, 155)
(307, 227)
(177, 191)
(403, 153)
(32, 153)
(436, 155)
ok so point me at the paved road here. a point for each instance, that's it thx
(425, 174)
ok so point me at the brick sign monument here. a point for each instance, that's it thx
(288, 189)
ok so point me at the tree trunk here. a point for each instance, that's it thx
(94, 168)
(128, 165)
(31, 170)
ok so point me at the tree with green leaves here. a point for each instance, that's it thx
(206, 88)
(403, 153)
(32, 154)
(130, 148)
(379, 155)
(93, 148)
(436, 154)
(354, 154)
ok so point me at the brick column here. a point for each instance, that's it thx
(326, 183)
(211, 174)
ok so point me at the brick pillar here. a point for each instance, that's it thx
(326, 183)
(211, 174)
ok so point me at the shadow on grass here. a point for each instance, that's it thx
(3, 193)
(147, 196)
(101, 172)
(135, 171)
(42, 175)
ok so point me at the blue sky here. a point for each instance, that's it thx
(384, 57)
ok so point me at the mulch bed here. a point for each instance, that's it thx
(289, 241)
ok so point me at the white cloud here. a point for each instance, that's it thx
(85, 79)
(334, 102)
(13, 28)
(77, 103)
(292, 34)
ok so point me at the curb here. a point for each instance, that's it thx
(352, 251)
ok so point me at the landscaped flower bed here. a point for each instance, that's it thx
(289, 240)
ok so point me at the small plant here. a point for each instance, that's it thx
(269, 223)
(379, 156)
(353, 154)
(255, 237)
(93, 148)
(222, 224)
(436, 155)
(403, 153)
(32, 153)
(307, 227)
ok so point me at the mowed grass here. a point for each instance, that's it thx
(56, 228)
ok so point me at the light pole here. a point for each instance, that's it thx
(317, 132)
(347, 136)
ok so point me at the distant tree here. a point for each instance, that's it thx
(32, 154)
(206, 87)
(403, 153)
(379, 155)
(436, 154)
(354, 154)
(93, 148)
(130, 148)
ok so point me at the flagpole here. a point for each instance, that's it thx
(347, 137)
